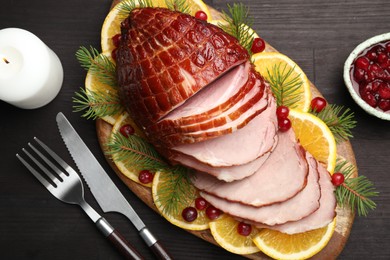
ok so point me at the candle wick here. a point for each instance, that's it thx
(6, 61)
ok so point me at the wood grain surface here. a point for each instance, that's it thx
(344, 219)
(317, 34)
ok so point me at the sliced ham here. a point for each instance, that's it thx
(298, 207)
(165, 57)
(240, 147)
(229, 173)
(217, 97)
(280, 178)
(322, 216)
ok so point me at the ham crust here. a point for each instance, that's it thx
(165, 57)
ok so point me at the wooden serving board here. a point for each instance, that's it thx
(344, 219)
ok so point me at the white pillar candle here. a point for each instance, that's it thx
(31, 74)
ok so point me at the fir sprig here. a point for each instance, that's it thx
(178, 5)
(96, 104)
(284, 86)
(98, 64)
(126, 6)
(340, 121)
(238, 24)
(355, 193)
(134, 151)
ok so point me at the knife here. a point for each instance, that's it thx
(104, 190)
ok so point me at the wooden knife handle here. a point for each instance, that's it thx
(159, 251)
(116, 238)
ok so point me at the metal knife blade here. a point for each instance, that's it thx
(102, 187)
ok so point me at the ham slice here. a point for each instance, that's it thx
(165, 57)
(240, 147)
(298, 207)
(322, 216)
(280, 178)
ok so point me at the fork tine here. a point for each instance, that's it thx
(55, 168)
(45, 183)
(58, 159)
(43, 168)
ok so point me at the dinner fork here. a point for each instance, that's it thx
(68, 187)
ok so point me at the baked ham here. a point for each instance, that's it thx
(165, 57)
(280, 178)
(296, 208)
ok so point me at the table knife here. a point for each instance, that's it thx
(108, 196)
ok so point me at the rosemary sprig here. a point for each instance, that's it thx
(98, 64)
(178, 5)
(238, 24)
(284, 86)
(355, 193)
(96, 104)
(340, 121)
(135, 152)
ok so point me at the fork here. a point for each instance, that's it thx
(69, 188)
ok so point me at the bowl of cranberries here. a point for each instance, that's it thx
(367, 75)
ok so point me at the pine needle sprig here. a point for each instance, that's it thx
(178, 5)
(238, 24)
(177, 192)
(135, 152)
(355, 193)
(285, 87)
(126, 6)
(96, 104)
(98, 64)
(340, 121)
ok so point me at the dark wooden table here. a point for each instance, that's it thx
(318, 35)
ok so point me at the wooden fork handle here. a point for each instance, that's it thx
(116, 238)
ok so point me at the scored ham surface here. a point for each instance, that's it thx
(280, 178)
(164, 57)
(296, 208)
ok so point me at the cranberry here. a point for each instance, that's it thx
(370, 99)
(337, 179)
(362, 63)
(359, 75)
(372, 55)
(375, 72)
(212, 212)
(384, 90)
(382, 58)
(318, 104)
(200, 203)
(189, 214)
(201, 15)
(284, 124)
(244, 229)
(116, 39)
(258, 45)
(282, 112)
(145, 176)
(126, 130)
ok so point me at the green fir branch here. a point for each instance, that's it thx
(98, 65)
(178, 5)
(238, 24)
(284, 87)
(340, 121)
(356, 193)
(126, 6)
(96, 104)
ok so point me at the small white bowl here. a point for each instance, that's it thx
(347, 77)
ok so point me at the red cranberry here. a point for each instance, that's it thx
(382, 58)
(116, 39)
(359, 74)
(145, 176)
(284, 124)
(244, 229)
(282, 112)
(318, 104)
(126, 130)
(212, 212)
(201, 15)
(189, 214)
(375, 72)
(372, 55)
(362, 63)
(384, 104)
(384, 90)
(200, 203)
(370, 99)
(258, 45)
(337, 179)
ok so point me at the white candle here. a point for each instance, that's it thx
(31, 74)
